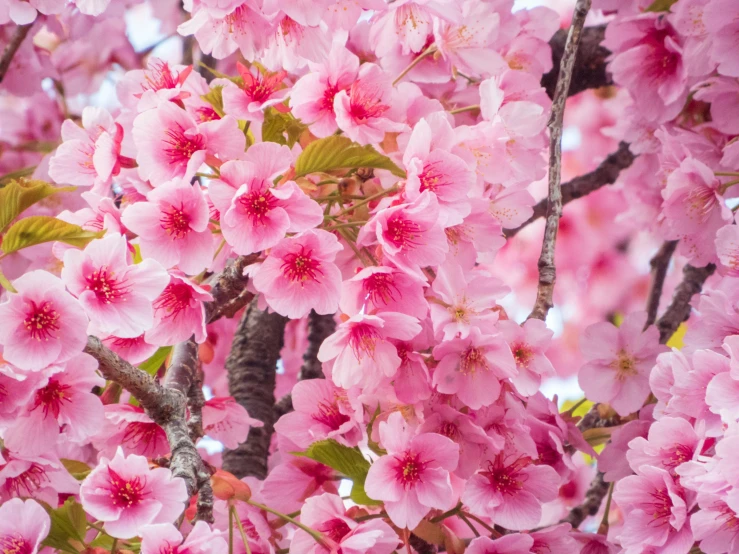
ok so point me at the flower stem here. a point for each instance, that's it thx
(726, 173)
(430, 50)
(317, 536)
(492, 531)
(471, 108)
(234, 515)
(448, 513)
(603, 528)
(469, 523)
(367, 200)
(230, 532)
(724, 187)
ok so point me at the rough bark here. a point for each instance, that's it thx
(251, 366)
(679, 309)
(229, 290)
(593, 499)
(660, 264)
(19, 35)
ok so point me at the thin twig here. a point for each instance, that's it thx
(21, 31)
(659, 263)
(593, 499)
(605, 174)
(547, 269)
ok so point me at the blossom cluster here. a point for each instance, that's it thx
(364, 162)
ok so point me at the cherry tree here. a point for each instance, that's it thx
(367, 276)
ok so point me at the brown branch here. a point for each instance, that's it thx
(590, 71)
(659, 263)
(547, 269)
(605, 174)
(21, 31)
(251, 367)
(679, 309)
(593, 499)
(166, 406)
(229, 290)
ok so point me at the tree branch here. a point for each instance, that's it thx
(590, 72)
(590, 506)
(659, 263)
(679, 309)
(605, 174)
(229, 290)
(19, 35)
(166, 406)
(251, 367)
(547, 269)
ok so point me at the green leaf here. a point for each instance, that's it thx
(7, 285)
(276, 125)
(343, 459)
(660, 6)
(68, 523)
(78, 470)
(20, 194)
(41, 228)
(337, 152)
(215, 99)
(374, 446)
(152, 365)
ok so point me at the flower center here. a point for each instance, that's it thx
(677, 455)
(261, 87)
(365, 102)
(15, 544)
(330, 416)
(700, 202)
(362, 340)
(334, 529)
(472, 360)
(51, 398)
(449, 429)
(624, 364)
(175, 298)
(182, 146)
(140, 433)
(257, 205)
(431, 178)
(380, 288)
(175, 222)
(327, 100)
(506, 479)
(522, 353)
(409, 469)
(126, 492)
(402, 232)
(106, 287)
(41, 320)
(661, 507)
(300, 267)
(26, 483)
(160, 77)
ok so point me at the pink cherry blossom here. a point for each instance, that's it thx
(291, 45)
(528, 343)
(116, 294)
(360, 351)
(89, 155)
(299, 275)
(462, 302)
(134, 350)
(142, 88)
(326, 514)
(413, 476)
(727, 249)
(171, 144)
(126, 495)
(42, 323)
(42, 477)
(172, 226)
(321, 411)
(129, 428)
(312, 96)
(618, 362)
(23, 525)
(714, 525)
(409, 234)
(516, 100)
(383, 289)
(164, 537)
(179, 312)
(63, 405)
(473, 367)
(655, 511)
(511, 490)
(720, 21)
(259, 91)
(227, 421)
(255, 215)
(366, 110)
(671, 442)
